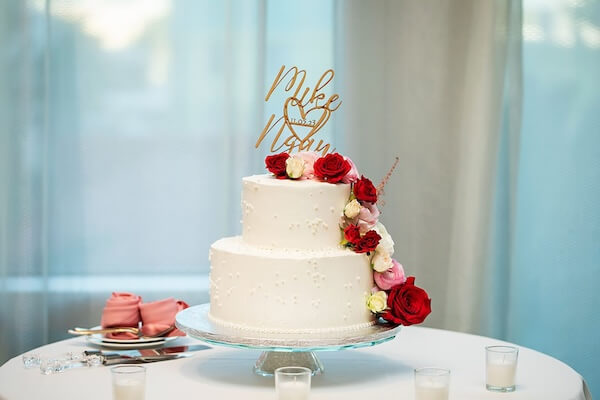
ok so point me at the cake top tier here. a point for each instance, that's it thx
(281, 213)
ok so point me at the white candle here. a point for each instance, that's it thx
(293, 390)
(128, 390)
(431, 391)
(501, 374)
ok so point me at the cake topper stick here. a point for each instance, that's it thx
(300, 112)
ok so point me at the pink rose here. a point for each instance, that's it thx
(309, 158)
(352, 175)
(390, 278)
(367, 217)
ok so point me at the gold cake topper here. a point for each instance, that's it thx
(310, 113)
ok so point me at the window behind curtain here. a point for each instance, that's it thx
(126, 129)
(154, 109)
(556, 253)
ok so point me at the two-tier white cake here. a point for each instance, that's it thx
(288, 272)
(313, 255)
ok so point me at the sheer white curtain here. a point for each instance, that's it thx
(495, 206)
(425, 81)
(125, 128)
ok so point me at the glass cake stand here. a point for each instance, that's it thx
(281, 349)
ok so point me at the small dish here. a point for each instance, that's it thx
(131, 344)
(101, 340)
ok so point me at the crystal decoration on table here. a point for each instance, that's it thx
(60, 363)
(94, 358)
(31, 360)
(313, 257)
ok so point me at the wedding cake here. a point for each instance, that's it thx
(312, 257)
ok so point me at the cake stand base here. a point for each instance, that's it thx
(281, 349)
(269, 361)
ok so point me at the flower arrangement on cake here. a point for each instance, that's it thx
(395, 297)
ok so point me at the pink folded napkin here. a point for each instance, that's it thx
(160, 315)
(121, 309)
(127, 309)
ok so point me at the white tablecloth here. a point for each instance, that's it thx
(380, 372)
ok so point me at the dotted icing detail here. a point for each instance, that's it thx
(227, 324)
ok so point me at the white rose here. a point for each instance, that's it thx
(352, 209)
(294, 167)
(377, 302)
(386, 243)
(381, 261)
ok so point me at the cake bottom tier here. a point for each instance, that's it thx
(275, 290)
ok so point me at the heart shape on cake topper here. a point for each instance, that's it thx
(305, 108)
(305, 142)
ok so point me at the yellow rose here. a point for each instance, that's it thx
(377, 302)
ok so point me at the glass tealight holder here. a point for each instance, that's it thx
(292, 383)
(432, 383)
(501, 368)
(128, 382)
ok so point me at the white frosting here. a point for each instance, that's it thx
(283, 213)
(243, 327)
(282, 290)
(287, 273)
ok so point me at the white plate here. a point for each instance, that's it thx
(100, 340)
(131, 344)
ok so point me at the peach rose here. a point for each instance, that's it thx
(309, 158)
(367, 217)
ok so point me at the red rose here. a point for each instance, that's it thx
(407, 303)
(368, 242)
(352, 234)
(276, 164)
(365, 191)
(331, 168)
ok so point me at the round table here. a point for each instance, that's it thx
(383, 371)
